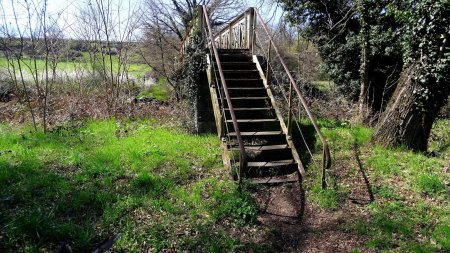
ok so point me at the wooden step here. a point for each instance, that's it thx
(266, 147)
(246, 88)
(253, 120)
(253, 113)
(242, 71)
(237, 66)
(261, 137)
(244, 82)
(250, 98)
(240, 74)
(250, 109)
(271, 163)
(259, 133)
(247, 91)
(234, 57)
(232, 51)
(292, 178)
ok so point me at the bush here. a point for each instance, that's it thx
(6, 90)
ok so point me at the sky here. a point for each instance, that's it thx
(67, 11)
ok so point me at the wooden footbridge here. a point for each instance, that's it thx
(255, 111)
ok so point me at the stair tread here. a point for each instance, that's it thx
(236, 62)
(250, 98)
(247, 88)
(275, 180)
(253, 120)
(239, 70)
(267, 147)
(250, 108)
(258, 133)
(263, 147)
(242, 79)
(272, 163)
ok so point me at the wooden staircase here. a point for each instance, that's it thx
(256, 141)
(271, 156)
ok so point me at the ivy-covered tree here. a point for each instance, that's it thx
(424, 85)
(357, 41)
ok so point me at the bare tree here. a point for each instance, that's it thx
(167, 23)
(32, 47)
(108, 33)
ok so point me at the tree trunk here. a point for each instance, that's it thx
(364, 67)
(403, 122)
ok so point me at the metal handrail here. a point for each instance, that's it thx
(243, 155)
(326, 162)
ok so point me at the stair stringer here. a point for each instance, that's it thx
(284, 128)
(226, 158)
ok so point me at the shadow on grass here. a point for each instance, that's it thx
(304, 138)
(78, 188)
(364, 175)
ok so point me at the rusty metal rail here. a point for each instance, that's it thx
(212, 45)
(326, 158)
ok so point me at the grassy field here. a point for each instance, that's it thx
(159, 91)
(162, 188)
(136, 70)
(411, 209)
(81, 184)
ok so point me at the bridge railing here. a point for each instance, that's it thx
(292, 102)
(238, 33)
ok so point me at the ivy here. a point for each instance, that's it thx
(425, 43)
(339, 28)
(193, 69)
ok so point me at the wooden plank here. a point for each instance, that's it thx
(250, 109)
(274, 180)
(271, 163)
(260, 133)
(253, 120)
(265, 147)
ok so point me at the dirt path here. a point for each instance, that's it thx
(318, 230)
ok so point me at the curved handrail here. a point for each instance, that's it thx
(326, 164)
(243, 156)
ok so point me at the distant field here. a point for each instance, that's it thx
(135, 70)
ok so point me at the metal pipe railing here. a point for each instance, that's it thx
(243, 155)
(326, 162)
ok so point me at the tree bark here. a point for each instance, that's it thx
(364, 67)
(403, 122)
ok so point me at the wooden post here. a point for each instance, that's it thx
(230, 36)
(200, 19)
(289, 124)
(252, 19)
(245, 40)
(268, 62)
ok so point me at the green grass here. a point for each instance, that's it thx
(159, 91)
(165, 189)
(324, 86)
(86, 181)
(134, 69)
(411, 209)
